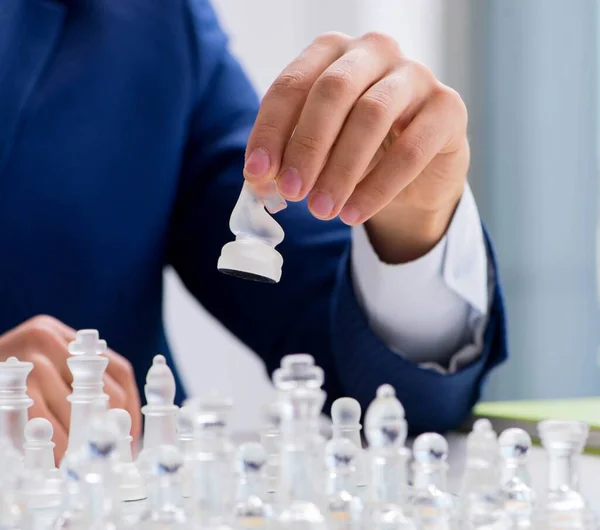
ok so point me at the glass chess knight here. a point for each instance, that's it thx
(252, 255)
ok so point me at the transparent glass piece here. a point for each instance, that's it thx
(344, 505)
(270, 437)
(212, 499)
(252, 255)
(187, 445)
(433, 506)
(345, 414)
(87, 365)
(302, 472)
(14, 400)
(11, 465)
(165, 511)
(386, 431)
(252, 509)
(564, 506)
(479, 499)
(517, 497)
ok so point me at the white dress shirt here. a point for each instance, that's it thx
(433, 310)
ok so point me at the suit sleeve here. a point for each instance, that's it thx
(314, 308)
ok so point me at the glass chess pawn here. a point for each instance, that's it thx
(564, 507)
(165, 510)
(386, 431)
(344, 507)
(433, 506)
(479, 500)
(252, 509)
(517, 497)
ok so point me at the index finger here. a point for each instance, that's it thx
(282, 105)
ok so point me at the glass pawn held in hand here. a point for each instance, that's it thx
(565, 506)
(252, 255)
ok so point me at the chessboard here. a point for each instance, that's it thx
(298, 473)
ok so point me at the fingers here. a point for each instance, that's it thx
(54, 389)
(121, 372)
(119, 382)
(282, 105)
(430, 133)
(329, 102)
(399, 94)
(39, 409)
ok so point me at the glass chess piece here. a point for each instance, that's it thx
(346, 413)
(565, 507)
(165, 511)
(216, 409)
(91, 486)
(14, 401)
(252, 255)
(386, 431)
(344, 507)
(433, 506)
(210, 506)
(517, 497)
(298, 373)
(479, 500)
(87, 365)
(187, 446)
(301, 474)
(270, 438)
(40, 490)
(11, 465)
(252, 509)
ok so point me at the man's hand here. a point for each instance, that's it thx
(366, 134)
(43, 340)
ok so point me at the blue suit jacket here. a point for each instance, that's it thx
(123, 125)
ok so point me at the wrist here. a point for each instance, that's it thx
(400, 233)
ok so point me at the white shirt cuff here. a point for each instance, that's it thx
(432, 310)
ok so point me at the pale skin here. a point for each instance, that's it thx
(368, 135)
(354, 125)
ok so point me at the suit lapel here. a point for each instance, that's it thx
(29, 31)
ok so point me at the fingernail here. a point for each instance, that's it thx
(321, 205)
(289, 183)
(349, 215)
(258, 163)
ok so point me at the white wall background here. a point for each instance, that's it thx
(266, 35)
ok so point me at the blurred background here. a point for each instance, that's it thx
(528, 71)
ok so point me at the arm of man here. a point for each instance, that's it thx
(314, 308)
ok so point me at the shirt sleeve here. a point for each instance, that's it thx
(431, 309)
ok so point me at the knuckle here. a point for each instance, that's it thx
(306, 144)
(383, 41)
(289, 82)
(333, 85)
(373, 108)
(421, 72)
(41, 362)
(333, 39)
(122, 365)
(452, 100)
(412, 149)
